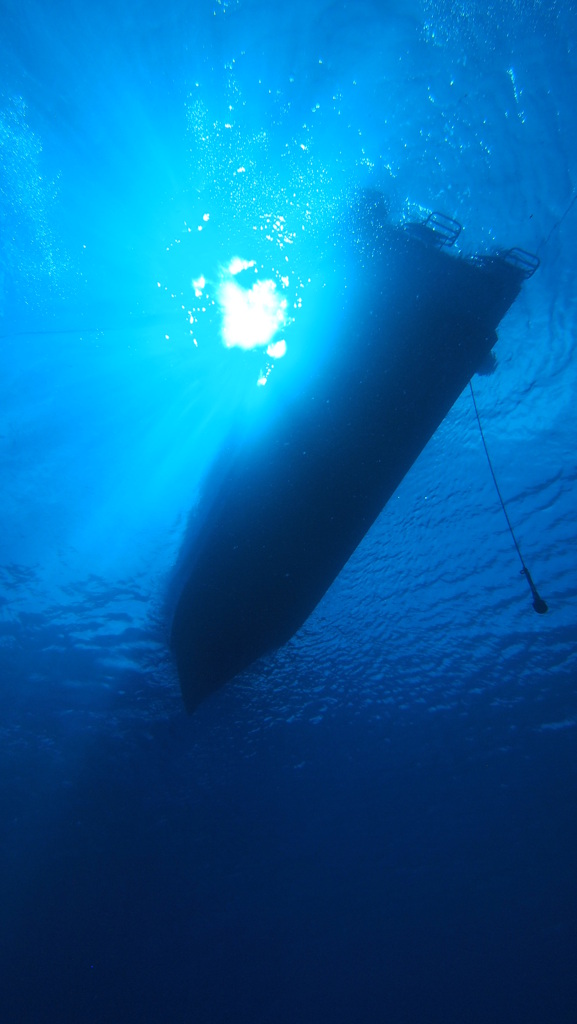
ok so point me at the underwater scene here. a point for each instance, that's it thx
(288, 608)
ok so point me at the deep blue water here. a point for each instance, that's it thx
(378, 822)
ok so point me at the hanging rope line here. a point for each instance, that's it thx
(558, 223)
(538, 603)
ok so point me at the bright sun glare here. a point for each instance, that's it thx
(250, 316)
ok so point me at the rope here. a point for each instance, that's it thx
(538, 603)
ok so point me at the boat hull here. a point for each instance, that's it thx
(284, 511)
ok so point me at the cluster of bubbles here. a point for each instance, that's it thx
(466, 22)
(257, 216)
(29, 257)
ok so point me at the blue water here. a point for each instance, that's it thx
(378, 822)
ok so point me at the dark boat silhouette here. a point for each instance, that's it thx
(395, 344)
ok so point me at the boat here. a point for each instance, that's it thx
(404, 328)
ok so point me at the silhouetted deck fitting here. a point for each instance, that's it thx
(445, 230)
(525, 261)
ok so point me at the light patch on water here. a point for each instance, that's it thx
(277, 349)
(567, 723)
(250, 316)
(236, 265)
